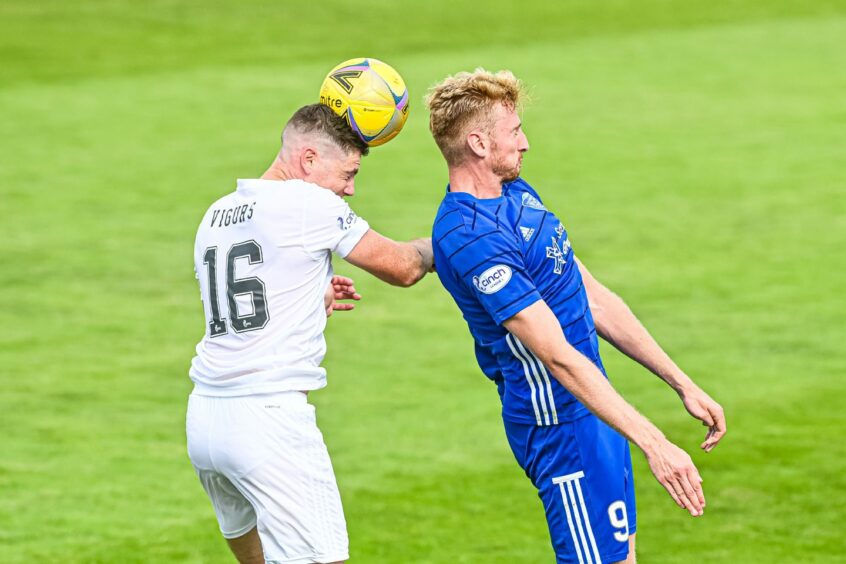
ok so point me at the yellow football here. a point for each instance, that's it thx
(370, 95)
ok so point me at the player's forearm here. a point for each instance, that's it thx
(594, 391)
(397, 263)
(417, 260)
(425, 260)
(618, 325)
(537, 328)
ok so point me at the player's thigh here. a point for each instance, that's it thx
(234, 512)
(583, 476)
(300, 518)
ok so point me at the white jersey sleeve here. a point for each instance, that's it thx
(330, 224)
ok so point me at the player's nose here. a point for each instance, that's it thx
(350, 189)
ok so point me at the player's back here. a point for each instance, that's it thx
(263, 260)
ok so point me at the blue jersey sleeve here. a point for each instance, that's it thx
(490, 265)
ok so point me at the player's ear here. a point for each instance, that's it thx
(308, 159)
(478, 143)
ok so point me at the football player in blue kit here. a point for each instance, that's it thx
(536, 313)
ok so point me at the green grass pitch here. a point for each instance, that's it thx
(696, 152)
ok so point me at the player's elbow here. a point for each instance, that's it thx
(606, 307)
(409, 277)
(600, 315)
(412, 270)
(402, 274)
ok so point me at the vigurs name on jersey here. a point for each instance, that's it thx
(224, 217)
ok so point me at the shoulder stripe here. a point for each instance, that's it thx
(445, 215)
(444, 236)
(462, 247)
(475, 266)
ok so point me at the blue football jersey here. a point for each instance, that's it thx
(496, 257)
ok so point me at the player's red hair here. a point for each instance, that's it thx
(465, 101)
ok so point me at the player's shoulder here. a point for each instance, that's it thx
(317, 194)
(470, 225)
(520, 190)
(219, 203)
(454, 220)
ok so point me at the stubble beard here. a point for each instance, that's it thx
(507, 172)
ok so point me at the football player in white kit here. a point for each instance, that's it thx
(263, 256)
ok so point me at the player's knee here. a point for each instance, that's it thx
(247, 548)
(631, 558)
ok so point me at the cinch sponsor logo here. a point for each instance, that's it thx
(349, 221)
(493, 279)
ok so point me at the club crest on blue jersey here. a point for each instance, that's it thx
(530, 201)
(559, 230)
(558, 254)
(493, 279)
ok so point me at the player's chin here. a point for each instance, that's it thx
(508, 173)
(511, 174)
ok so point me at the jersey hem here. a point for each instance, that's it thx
(337, 557)
(529, 420)
(216, 392)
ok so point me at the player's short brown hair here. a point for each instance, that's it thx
(464, 100)
(317, 118)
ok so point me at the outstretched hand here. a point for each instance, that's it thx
(702, 407)
(340, 288)
(674, 470)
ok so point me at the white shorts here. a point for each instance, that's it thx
(263, 463)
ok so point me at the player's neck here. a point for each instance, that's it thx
(476, 181)
(277, 171)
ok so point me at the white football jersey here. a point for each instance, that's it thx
(263, 257)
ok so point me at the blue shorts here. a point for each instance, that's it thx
(583, 472)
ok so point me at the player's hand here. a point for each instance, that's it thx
(674, 470)
(701, 406)
(340, 288)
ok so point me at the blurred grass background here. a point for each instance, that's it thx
(695, 152)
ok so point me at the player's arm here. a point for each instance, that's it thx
(616, 324)
(538, 328)
(395, 262)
